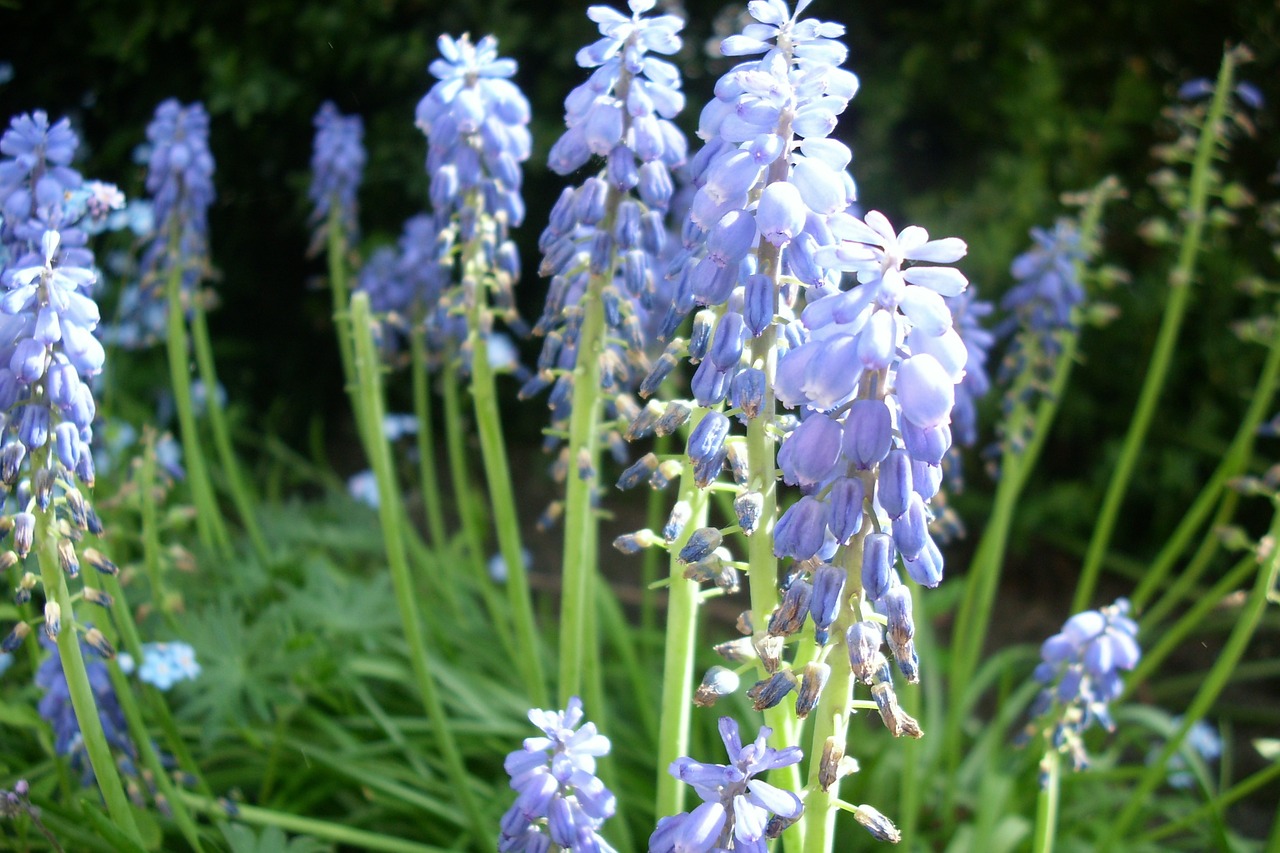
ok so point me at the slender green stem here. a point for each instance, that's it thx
(1217, 679)
(150, 525)
(1204, 813)
(336, 832)
(336, 255)
(1047, 801)
(151, 759)
(369, 385)
(433, 507)
(209, 523)
(1172, 639)
(678, 656)
(45, 544)
(1180, 280)
(241, 494)
(472, 529)
(493, 452)
(1233, 464)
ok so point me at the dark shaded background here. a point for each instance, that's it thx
(974, 116)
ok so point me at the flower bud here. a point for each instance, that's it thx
(15, 637)
(770, 691)
(52, 619)
(676, 521)
(812, 681)
(788, 618)
(718, 681)
(747, 507)
(824, 605)
(99, 643)
(67, 558)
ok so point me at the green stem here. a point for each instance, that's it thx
(433, 507)
(357, 838)
(1214, 683)
(1047, 801)
(493, 452)
(678, 656)
(336, 255)
(1204, 813)
(150, 524)
(472, 529)
(1232, 465)
(45, 544)
(1180, 280)
(579, 516)
(369, 386)
(241, 495)
(209, 523)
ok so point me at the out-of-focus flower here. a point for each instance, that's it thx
(55, 706)
(166, 664)
(337, 165)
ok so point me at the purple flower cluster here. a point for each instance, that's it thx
(180, 181)
(1048, 287)
(48, 351)
(561, 803)
(875, 376)
(1081, 664)
(55, 707)
(739, 811)
(476, 121)
(606, 238)
(337, 165)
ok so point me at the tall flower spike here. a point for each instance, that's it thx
(560, 801)
(180, 181)
(737, 806)
(476, 122)
(603, 251)
(337, 165)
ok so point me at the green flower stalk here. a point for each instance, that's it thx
(601, 250)
(476, 123)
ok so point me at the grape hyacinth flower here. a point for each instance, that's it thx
(180, 181)
(1048, 287)
(602, 250)
(337, 165)
(476, 123)
(47, 320)
(739, 811)
(1080, 669)
(560, 801)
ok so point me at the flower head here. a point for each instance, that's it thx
(180, 180)
(1080, 669)
(337, 164)
(165, 664)
(736, 805)
(558, 792)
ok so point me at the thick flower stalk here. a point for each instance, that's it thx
(561, 804)
(49, 356)
(602, 250)
(476, 122)
(56, 707)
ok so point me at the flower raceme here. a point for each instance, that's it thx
(337, 164)
(560, 800)
(180, 181)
